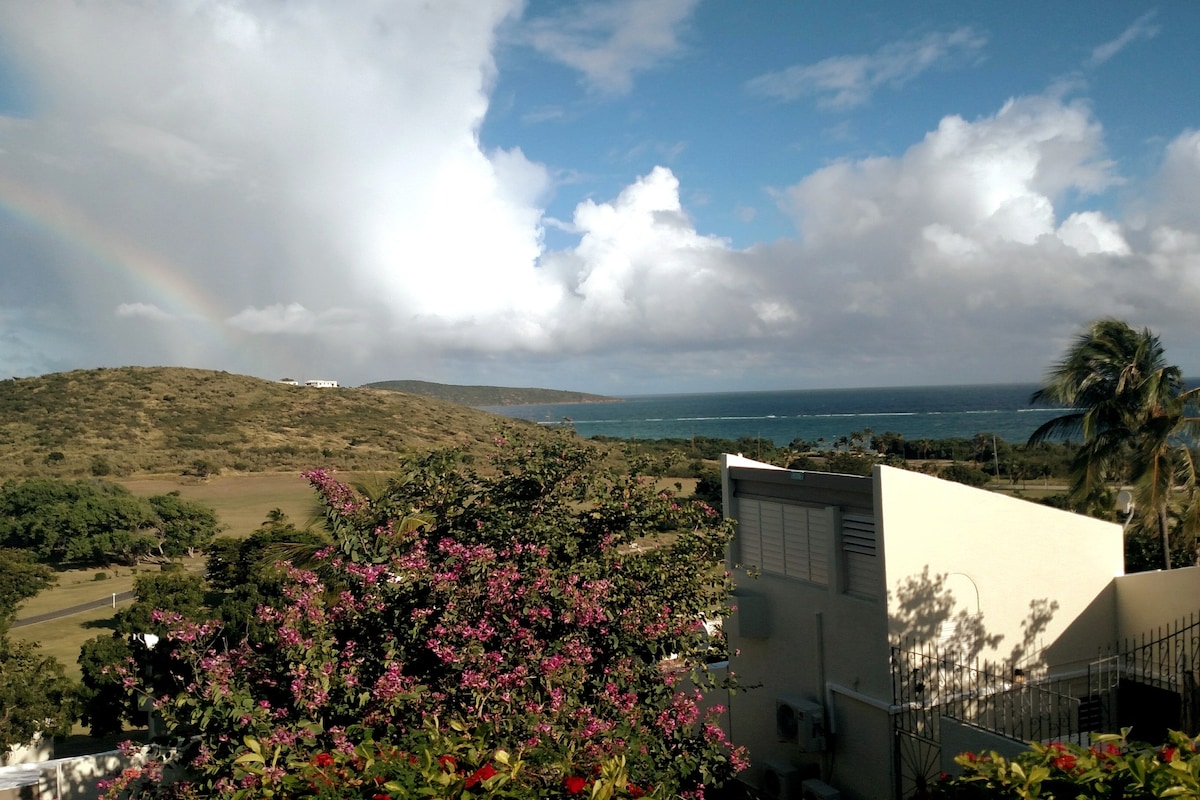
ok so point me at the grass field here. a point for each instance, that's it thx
(241, 501)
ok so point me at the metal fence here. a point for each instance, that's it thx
(1149, 683)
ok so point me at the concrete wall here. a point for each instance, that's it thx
(1148, 601)
(958, 738)
(1024, 572)
(796, 639)
(65, 778)
(40, 749)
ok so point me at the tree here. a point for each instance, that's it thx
(20, 579)
(177, 591)
(1132, 411)
(36, 697)
(534, 623)
(183, 526)
(104, 704)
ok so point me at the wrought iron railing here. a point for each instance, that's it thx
(1150, 682)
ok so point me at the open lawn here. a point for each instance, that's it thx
(241, 501)
(62, 638)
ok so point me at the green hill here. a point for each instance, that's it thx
(164, 420)
(477, 396)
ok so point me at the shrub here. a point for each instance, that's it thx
(1111, 767)
(100, 576)
(961, 473)
(493, 631)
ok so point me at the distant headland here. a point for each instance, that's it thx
(480, 396)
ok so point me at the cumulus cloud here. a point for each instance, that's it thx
(609, 42)
(846, 81)
(301, 188)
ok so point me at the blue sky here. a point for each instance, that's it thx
(623, 197)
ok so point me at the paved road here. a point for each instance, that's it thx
(66, 612)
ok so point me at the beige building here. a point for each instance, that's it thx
(890, 622)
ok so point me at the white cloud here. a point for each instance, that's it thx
(303, 187)
(1090, 232)
(1142, 29)
(294, 318)
(847, 81)
(611, 41)
(144, 310)
(995, 179)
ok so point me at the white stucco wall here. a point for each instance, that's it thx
(1151, 601)
(805, 637)
(997, 555)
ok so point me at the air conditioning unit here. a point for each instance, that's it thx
(813, 789)
(781, 781)
(802, 722)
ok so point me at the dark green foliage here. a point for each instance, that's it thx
(184, 527)
(962, 473)
(234, 563)
(848, 463)
(20, 579)
(104, 703)
(708, 488)
(175, 590)
(81, 522)
(35, 694)
(94, 522)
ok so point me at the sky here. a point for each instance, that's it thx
(619, 196)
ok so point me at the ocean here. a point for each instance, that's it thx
(925, 412)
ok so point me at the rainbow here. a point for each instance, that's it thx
(167, 285)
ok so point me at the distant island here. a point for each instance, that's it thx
(481, 396)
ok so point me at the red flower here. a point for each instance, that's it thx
(381, 797)
(635, 790)
(1167, 754)
(1065, 762)
(448, 763)
(480, 775)
(574, 784)
(323, 760)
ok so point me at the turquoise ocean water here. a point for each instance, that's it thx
(932, 412)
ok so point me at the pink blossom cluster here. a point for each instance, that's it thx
(509, 608)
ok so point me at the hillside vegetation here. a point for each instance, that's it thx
(489, 395)
(164, 420)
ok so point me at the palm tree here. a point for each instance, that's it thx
(1131, 410)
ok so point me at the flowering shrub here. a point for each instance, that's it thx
(1111, 767)
(498, 634)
